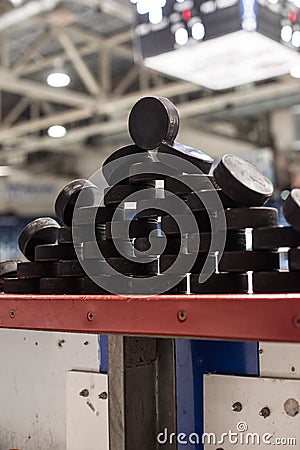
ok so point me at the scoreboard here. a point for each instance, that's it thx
(218, 43)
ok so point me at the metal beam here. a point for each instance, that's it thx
(32, 89)
(31, 51)
(79, 64)
(126, 81)
(14, 113)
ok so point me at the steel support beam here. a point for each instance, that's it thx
(142, 391)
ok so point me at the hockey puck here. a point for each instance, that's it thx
(61, 285)
(66, 199)
(38, 232)
(55, 252)
(291, 209)
(192, 155)
(88, 215)
(186, 183)
(107, 249)
(153, 120)
(19, 286)
(198, 201)
(255, 261)
(275, 282)
(235, 241)
(116, 166)
(170, 226)
(129, 229)
(271, 238)
(169, 245)
(114, 195)
(150, 171)
(240, 218)
(83, 233)
(151, 208)
(8, 268)
(129, 267)
(294, 258)
(220, 283)
(37, 269)
(65, 235)
(242, 181)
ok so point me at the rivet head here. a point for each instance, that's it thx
(84, 393)
(12, 313)
(181, 315)
(265, 412)
(237, 407)
(90, 315)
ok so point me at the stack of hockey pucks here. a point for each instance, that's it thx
(276, 238)
(50, 249)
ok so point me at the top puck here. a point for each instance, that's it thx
(153, 120)
(38, 232)
(66, 199)
(291, 209)
(242, 181)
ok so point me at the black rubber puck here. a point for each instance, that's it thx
(167, 261)
(180, 184)
(235, 241)
(159, 207)
(65, 235)
(195, 201)
(170, 245)
(294, 258)
(54, 252)
(170, 227)
(221, 283)
(128, 267)
(270, 238)
(66, 199)
(275, 282)
(291, 209)
(107, 249)
(248, 261)
(61, 285)
(239, 218)
(8, 268)
(150, 172)
(38, 232)
(88, 215)
(153, 120)
(37, 269)
(115, 171)
(83, 233)
(19, 286)
(114, 195)
(192, 155)
(242, 181)
(137, 228)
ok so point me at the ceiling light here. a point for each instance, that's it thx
(58, 79)
(57, 131)
(198, 31)
(155, 16)
(181, 36)
(286, 33)
(16, 2)
(295, 71)
(296, 39)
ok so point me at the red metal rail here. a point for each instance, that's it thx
(271, 317)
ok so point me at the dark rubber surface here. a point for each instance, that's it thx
(38, 232)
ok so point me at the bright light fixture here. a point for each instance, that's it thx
(245, 57)
(198, 31)
(16, 2)
(57, 131)
(286, 33)
(296, 39)
(58, 79)
(181, 36)
(295, 71)
(155, 15)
